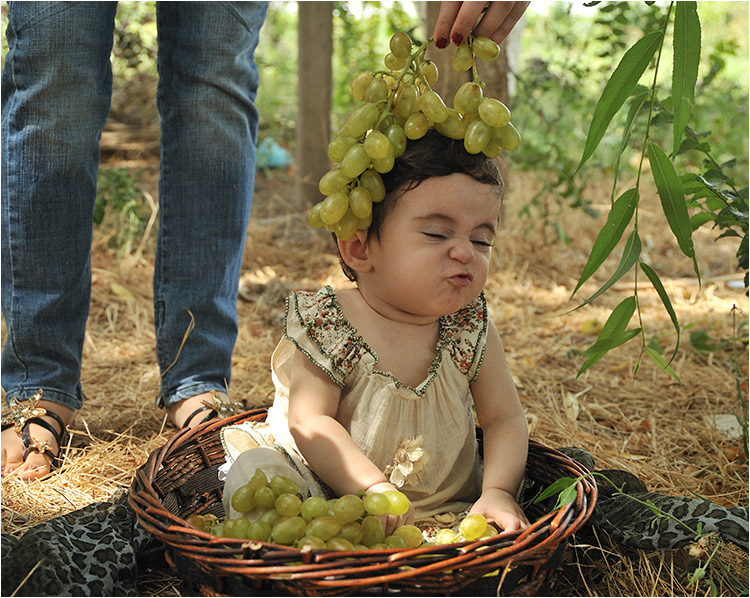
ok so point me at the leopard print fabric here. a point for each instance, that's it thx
(90, 552)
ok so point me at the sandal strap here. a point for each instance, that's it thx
(31, 443)
(213, 413)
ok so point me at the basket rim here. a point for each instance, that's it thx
(267, 561)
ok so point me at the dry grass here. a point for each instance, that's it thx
(651, 425)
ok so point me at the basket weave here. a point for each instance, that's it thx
(180, 480)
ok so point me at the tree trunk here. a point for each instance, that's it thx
(314, 83)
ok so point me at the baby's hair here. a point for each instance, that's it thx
(433, 155)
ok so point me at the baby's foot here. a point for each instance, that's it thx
(37, 463)
(198, 409)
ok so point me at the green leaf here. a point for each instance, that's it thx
(601, 347)
(699, 219)
(659, 360)
(687, 54)
(609, 236)
(654, 278)
(619, 87)
(672, 196)
(619, 318)
(555, 487)
(629, 256)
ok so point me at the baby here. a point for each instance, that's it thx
(376, 385)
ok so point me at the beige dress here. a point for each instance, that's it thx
(422, 438)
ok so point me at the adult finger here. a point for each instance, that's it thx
(500, 19)
(446, 17)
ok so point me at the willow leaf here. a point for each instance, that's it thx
(609, 236)
(629, 256)
(659, 360)
(687, 55)
(654, 278)
(672, 196)
(618, 320)
(619, 87)
(600, 348)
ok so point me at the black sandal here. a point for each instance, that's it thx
(23, 413)
(215, 407)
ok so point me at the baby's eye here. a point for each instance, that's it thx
(482, 243)
(434, 235)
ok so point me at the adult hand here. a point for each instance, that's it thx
(458, 19)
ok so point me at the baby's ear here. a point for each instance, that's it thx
(355, 253)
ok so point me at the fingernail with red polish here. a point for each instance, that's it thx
(441, 43)
(457, 38)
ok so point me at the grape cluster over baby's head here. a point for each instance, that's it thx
(398, 104)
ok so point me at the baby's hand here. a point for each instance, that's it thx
(499, 507)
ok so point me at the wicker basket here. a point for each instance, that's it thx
(180, 480)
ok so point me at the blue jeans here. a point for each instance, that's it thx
(56, 91)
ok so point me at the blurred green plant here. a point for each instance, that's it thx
(713, 191)
(122, 210)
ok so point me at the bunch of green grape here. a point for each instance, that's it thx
(280, 516)
(397, 104)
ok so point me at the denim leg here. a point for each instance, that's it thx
(56, 89)
(208, 81)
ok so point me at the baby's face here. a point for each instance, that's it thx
(433, 254)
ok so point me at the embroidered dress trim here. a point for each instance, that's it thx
(326, 327)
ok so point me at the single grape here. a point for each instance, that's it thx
(398, 503)
(281, 484)
(270, 517)
(386, 122)
(313, 507)
(332, 181)
(355, 161)
(463, 58)
(446, 536)
(492, 149)
(507, 137)
(394, 542)
(468, 97)
(240, 528)
(339, 544)
(397, 137)
(400, 45)
(376, 503)
(311, 541)
(494, 112)
(313, 217)
(489, 532)
(364, 223)
(372, 531)
(410, 534)
(433, 107)
(288, 529)
(348, 508)
(259, 530)
(339, 146)
(362, 119)
(405, 101)
(325, 527)
(360, 83)
(429, 71)
(243, 499)
(377, 145)
(453, 127)
(198, 521)
(394, 63)
(352, 531)
(477, 136)
(360, 202)
(346, 228)
(384, 165)
(259, 479)
(333, 209)
(485, 49)
(264, 497)
(377, 91)
(472, 526)
(288, 505)
(373, 182)
(416, 126)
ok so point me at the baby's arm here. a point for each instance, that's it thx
(325, 443)
(506, 440)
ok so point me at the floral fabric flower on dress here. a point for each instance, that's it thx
(408, 463)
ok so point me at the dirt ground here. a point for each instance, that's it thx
(652, 426)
